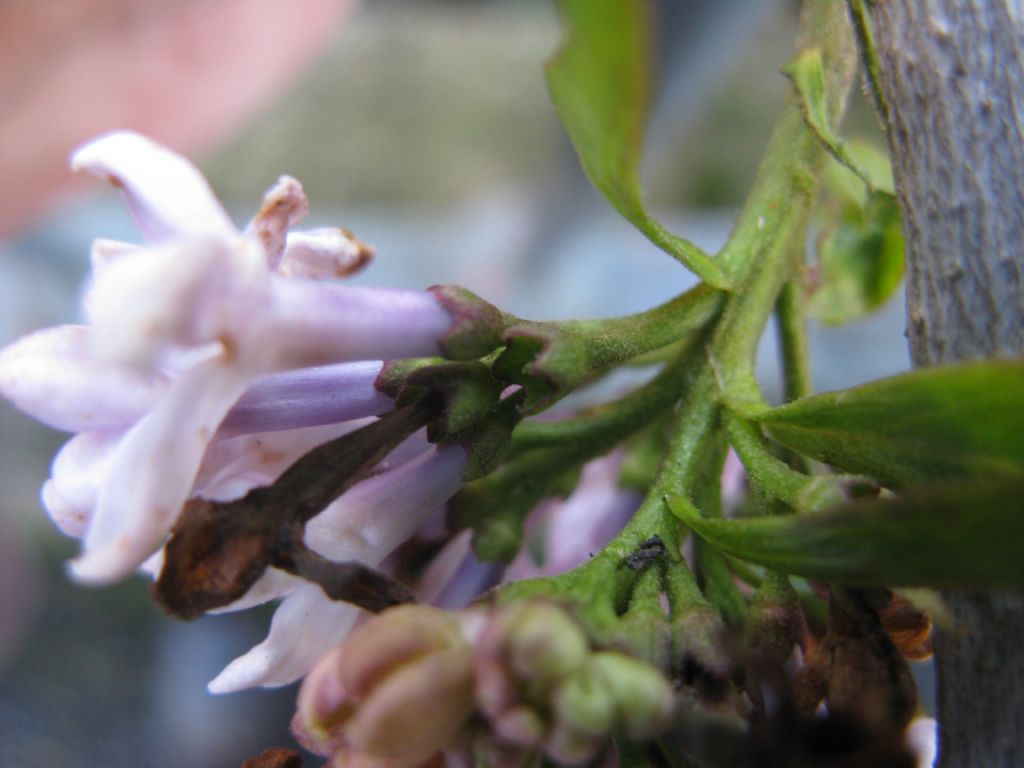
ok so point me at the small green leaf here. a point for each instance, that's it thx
(946, 536)
(930, 424)
(860, 261)
(807, 71)
(600, 84)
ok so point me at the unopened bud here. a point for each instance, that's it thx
(643, 697)
(418, 709)
(322, 706)
(568, 746)
(777, 622)
(584, 704)
(392, 639)
(697, 650)
(543, 642)
(521, 726)
(396, 693)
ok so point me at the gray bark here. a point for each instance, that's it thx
(951, 80)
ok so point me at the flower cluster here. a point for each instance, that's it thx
(417, 681)
(213, 358)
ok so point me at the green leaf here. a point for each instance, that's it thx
(600, 84)
(807, 71)
(930, 424)
(945, 536)
(860, 261)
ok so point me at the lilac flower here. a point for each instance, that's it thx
(580, 526)
(365, 525)
(194, 337)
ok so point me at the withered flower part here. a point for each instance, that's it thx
(856, 669)
(275, 757)
(218, 550)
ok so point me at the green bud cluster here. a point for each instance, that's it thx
(544, 689)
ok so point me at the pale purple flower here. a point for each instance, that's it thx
(580, 526)
(365, 525)
(194, 337)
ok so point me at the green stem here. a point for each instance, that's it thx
(793, 343)
(770, 475)
(775, 217)
(602, 427)
(869, 55)
(614, 341)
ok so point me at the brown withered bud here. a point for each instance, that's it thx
(909, 628)
(857, 669)
(211, 560)
(275, 757)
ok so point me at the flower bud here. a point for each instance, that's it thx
(568, 746)
(396, 693)
(777, 622)
(642, 696)
(584, 704)
(418, 709)
(395, 637)
(541, 641)
(322, 706)
(520, 725)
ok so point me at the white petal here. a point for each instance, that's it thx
(378, 514)
(922, 738)
(104, 253)
(186, 293)
(305, 626)
(283, 206)
(323, 254)
(153, 472)
(78, 470)
(53, 376)
(270, 586)
(259, 459)
(164, 192)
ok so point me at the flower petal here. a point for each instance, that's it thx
(104, 253)
(153, 472)
(323, 254)
(232, 467)
(186, 293)
(312, 323)
(283, 206)
(308, 397)
(305, 626)
(52, 376)
(585, 522)
(455, 577)
(164, 193)
(78, 470)
(270, 586)
(378, 514)
(365, 524)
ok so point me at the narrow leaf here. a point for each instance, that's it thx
(934, 423)
(946, 536)
(600, 84)
(807, 71)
